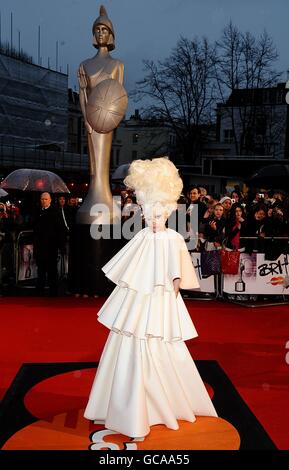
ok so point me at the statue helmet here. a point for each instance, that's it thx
(104, 20)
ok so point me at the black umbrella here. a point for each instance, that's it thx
(271, 177)
(121, 172)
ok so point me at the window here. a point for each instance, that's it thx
(281, 97)
(228, 136)
(83, 129)
(261, 125)
(135, 138)
(172, 139)
(117, 156)
(70, 126)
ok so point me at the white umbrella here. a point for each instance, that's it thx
(26, 179)
(3, 193)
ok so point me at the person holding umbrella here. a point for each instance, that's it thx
(49, 237)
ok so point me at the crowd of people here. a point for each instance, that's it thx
(246, 222)
(49, 222)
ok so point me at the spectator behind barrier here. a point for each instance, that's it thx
(236, 227)
(255, 228)
(214, 227)
(275, 226)
(226, 202)
(195, 204)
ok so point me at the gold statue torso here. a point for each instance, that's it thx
(98, 69)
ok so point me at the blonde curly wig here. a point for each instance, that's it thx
(155, 181)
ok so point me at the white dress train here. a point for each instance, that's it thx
(146, 375)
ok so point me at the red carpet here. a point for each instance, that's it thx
(249, 344)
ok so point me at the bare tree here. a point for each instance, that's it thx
(244, 67)
(181, 91)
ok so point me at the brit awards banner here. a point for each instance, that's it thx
(206, 283)
(259, 276)
(27, 267)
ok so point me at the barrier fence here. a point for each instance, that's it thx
(255, 278)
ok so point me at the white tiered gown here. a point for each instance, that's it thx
(146, 375)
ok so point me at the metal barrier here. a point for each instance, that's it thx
(209, 286)
(257, 278)
(25, 266)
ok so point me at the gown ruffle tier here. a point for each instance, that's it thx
(146, 375)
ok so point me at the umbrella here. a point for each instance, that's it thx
(271, 177)
(121, 172)
(26, 179)
(3, 193)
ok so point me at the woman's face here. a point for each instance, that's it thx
(238, 213)
(155, 216)
(101, 34)
(227, 204)
(61, 201)
(218, 212)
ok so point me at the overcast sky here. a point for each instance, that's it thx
(145, 29)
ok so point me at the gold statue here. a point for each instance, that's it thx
(103, 102)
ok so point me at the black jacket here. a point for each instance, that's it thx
(49, 233)
(212, 235)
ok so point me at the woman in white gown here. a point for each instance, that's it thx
(146, 375)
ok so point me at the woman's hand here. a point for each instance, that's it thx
(177, 282)
(213, 225)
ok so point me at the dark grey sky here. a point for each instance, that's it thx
(144, 28)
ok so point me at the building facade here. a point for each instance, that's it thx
(33, 104)
(138, 138)
(254, 122)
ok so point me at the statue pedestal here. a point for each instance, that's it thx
(87, 256)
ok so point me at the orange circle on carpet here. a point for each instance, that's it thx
(206, 433)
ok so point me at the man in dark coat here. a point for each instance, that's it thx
(49, 237)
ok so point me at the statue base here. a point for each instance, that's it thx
(87, 256)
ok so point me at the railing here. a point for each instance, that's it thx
(256, 278)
